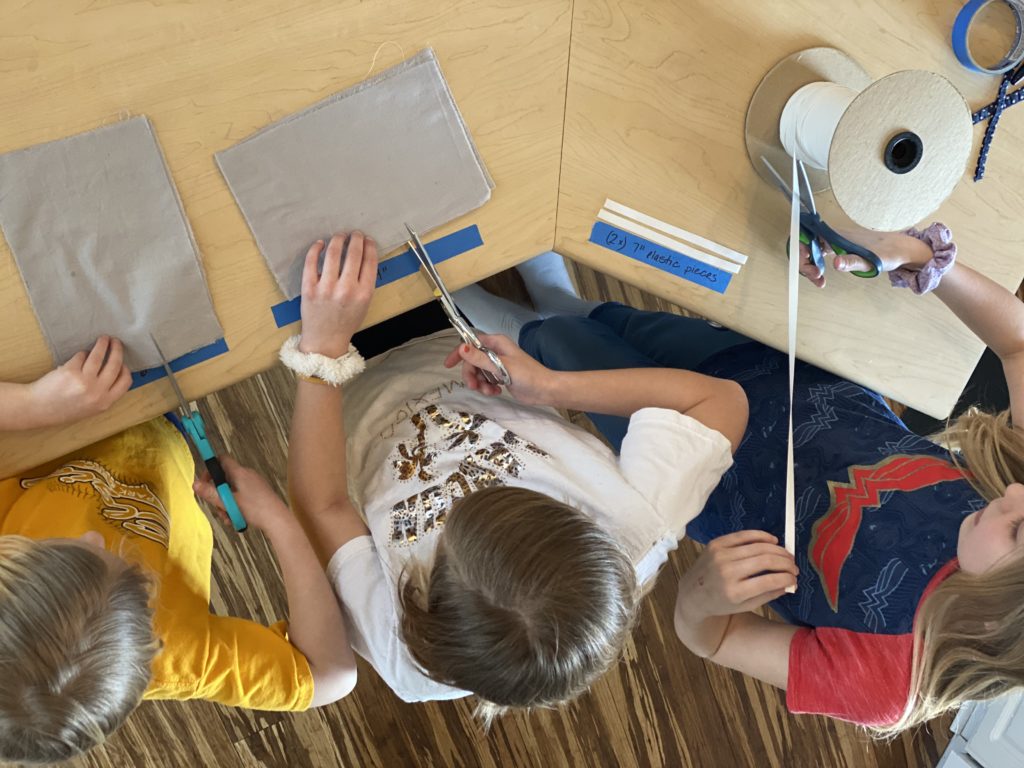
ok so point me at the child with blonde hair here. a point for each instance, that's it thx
(105, 581)
(479, 543)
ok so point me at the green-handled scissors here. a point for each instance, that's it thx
(193, 423)
(813, 230)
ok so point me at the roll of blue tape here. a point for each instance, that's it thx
(962, 29)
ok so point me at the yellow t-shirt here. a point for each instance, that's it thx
(136, 489)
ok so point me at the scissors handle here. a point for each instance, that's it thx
(841, 245)
(197, 431)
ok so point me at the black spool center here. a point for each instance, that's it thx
(903, 152)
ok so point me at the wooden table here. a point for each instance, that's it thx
(210, 74)
(655, 108)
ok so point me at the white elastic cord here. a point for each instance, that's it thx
(789, 540)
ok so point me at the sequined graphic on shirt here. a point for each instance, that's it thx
(132, 508)
(493, 455)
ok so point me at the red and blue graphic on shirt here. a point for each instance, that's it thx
(878, 508)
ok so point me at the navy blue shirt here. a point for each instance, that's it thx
(878, 508)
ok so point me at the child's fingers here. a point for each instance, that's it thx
(96, 356)
(476, 358)
(850, 263)
(353, 260)
(741, 537)
(123, 382)
(499, 343)
(205, 490)
(309, 275)
(756, 592)
(453, 359)
(368, 272)
(332, 261)
(76, 362)
(469, 376)
(112, 367)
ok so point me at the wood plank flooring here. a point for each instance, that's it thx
(660, 707)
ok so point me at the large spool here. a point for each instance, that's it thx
(892, 150)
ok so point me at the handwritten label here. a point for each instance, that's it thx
(659, 257)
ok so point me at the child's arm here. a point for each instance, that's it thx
(717, 403)
(315, 624)
(734, 575)
(85, 385)
(334, 305)
(994, 314)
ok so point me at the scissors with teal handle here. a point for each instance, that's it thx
(813, 230)
(193, 423)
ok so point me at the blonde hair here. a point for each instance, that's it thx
(969, 632)
(76, 643)
(527, 603)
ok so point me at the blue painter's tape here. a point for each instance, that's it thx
(397, 267)
(658, 256)
(219, 347)
(962, 30)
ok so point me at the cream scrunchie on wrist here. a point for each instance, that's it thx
(327, 369)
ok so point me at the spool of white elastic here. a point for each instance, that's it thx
(809, 121)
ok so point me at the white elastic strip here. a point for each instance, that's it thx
(656, 237)
(794, 295)
(674, 231)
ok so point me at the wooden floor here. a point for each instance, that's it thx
(660, 707)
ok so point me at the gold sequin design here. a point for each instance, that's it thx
(485, 464)
(132, 508)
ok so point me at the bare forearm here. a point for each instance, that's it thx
(316, 453)
(994, 314)
(702, 635)
(717, 403)
(17, 410)
(315, 623)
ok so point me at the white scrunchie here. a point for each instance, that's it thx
(329, 370)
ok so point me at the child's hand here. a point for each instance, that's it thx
(895, 249)
(334, 303)
(87, 384)
(260, 504)
(530, 380)
(736, 573)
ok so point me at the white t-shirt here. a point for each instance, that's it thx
(419, 439)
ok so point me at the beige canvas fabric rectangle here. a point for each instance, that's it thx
(102, 243)
(390, 150)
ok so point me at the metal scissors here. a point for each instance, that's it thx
(448, 305)
(812, 227)
(193, 423)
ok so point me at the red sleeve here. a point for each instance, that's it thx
(854, 676)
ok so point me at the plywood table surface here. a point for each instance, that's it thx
(654, 119)
(210, 74)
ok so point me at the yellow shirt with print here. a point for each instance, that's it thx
(136, 489)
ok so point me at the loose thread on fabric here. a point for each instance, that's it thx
(377, 53)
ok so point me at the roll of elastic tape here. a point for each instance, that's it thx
(962, 29)
(809, 121)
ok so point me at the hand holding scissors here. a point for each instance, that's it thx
(448, 305)
(192, 421)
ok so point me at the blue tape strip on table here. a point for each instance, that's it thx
(397, 267)
(659, 257)
(201, 355)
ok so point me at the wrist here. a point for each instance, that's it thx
(334, 348)
(554, 388)
(30, 405)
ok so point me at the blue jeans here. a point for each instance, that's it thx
(617, 336)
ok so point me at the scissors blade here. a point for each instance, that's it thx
(805, 184)
(782, 185)
(182, 402)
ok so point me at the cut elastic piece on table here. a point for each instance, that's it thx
(663, 240)
(101, 240)
(672, 230)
